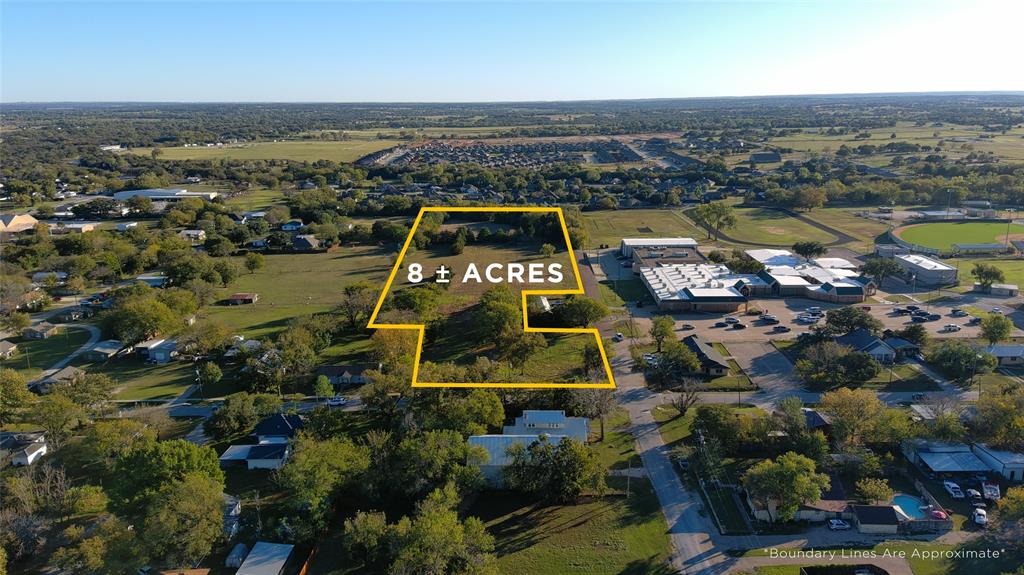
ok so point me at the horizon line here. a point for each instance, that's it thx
(533, 101)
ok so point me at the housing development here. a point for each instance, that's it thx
(771, 335)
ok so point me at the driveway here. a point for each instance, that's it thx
(94, 336)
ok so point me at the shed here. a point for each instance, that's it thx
(164, 352)
(243, 298)
(1009, 464)
(266, 559)
(104, 350)
(876, 519)
(41, 330)
(7, 349)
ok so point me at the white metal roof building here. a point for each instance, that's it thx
(707, 287)
(266, 559)
(551, 421)
(770, 257)
(164, 194)
(627, 244)
(834, 263)
(928, 271)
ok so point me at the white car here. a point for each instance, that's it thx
(337, 401)
(731, 320)
(997, 311)
(980, 517)
(618, 337)
(953, 489)
(814, 310)
(951, 327)
(838, 525)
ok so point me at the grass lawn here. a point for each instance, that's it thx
(904, 378)
(36, 355)
(299, 151)
(609, 227)
(618, 450)
(610, 535)
(292, 285)
(255, 199)
(1013, 269)
(942, 235)
(773, 227)
(140, 380)
(623, 291)
(730, 516)
(845, 219)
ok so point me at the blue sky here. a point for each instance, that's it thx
(489, 51)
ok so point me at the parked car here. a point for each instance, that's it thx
(913, 308)
(974, 320)
(337, 401)
(901, 311)
(997, 310)
(980, 517)
(973, 494)
(917, 397)
(918, 319)
(770, 319)
(934, 317)
(618, 337)
(721, 324)
(838, 525)
(814, 310)
(739, 326)
(957, 312)
(732, 320)
(951, 327)
(781, 329)
(688, 326)
(953, 489)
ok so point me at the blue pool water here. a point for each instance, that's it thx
(910, 505)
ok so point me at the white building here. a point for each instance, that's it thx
(698, 287)
(928, 271)
(164, 194)
(1009, 464)
(627, 244)
(550, 421)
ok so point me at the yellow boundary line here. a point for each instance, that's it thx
(421, 328)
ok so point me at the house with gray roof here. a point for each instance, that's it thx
(712, 362)
(864, 341)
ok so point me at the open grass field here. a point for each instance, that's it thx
(609, 227)
(35, 355)
(1013, 269)
(942, 235)
(845, 219)
(618, 450)
(254, 199)
(299, 151)
(292, 285)
(139, 380)
(772, 227)
(610, 535)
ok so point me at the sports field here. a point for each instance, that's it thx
(942, 235)
(609, 227)
(773, 228)
(300, 151)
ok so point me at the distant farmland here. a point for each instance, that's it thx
(299, 151)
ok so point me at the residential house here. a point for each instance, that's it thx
(22, 448)
(278, 428)
(61, 376)
(125, 226)
(876, 519)
(41, 330)
(193, 236)
(1007, 353)
(42, 278)
(258, 244)
(348, 374)
(14, 224)
(864, 341)
(817, 421)
(243, 298)
(71, 314)
(902, 347)
(71, 227)
(7, 349)
(305, 242)
(104, 350)
(712, 362)
(266, 559)
(144, 348)
(243, 347)
(497, 447)
(833, 504)
(1009, 464)
(163, 352)
(551, 422)
(266, 456)
(155, 280)
(292, 226)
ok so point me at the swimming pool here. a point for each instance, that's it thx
(910, 505)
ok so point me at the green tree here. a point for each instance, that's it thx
(254, 261)
(58, 415)
(715, 216)
(853, 412)
(809, 249)
(996, 328)
(204, 337)
(987, 274)
(557, 472)
(662, 328)
(108, 440)
(784, 484)
(880, 268)
(357, 302)
(872, 490)
(139, 319)
(14, 395)
(959, 360)
(210, 373)
(239, 414)
(323, 387)
(142, 473)
(843, 320)
(579, 311)
(316, 474)
(184, 519)
(15, 321)
(914, 333)
(547, 250)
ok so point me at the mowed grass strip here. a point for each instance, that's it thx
(942, 235)
(609, 227)
(774, 227)
(610, 535)
(300, 151)
(292, 285)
